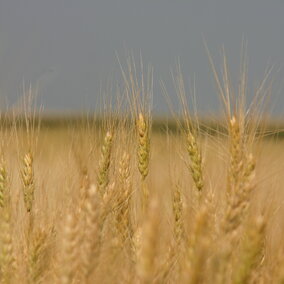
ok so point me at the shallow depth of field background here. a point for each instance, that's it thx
(141, 141)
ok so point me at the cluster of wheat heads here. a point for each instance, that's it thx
(120, 203)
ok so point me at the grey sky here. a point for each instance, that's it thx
(68, 47)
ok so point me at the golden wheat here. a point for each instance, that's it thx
(79, 219)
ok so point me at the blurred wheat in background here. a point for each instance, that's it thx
(128, 200)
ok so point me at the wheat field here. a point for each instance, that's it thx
(121, 202)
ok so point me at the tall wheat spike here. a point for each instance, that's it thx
(143, 146)
(239, 200)
(104, 163)
(195, 165)
(237, 154)
(191, 131)
(28, 181)
(143, 153)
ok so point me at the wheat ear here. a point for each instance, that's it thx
(143, 146)
(194, 152)
(238, 201)
(104, 163)
(237, 153)
(28, 181)
(143, 154)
